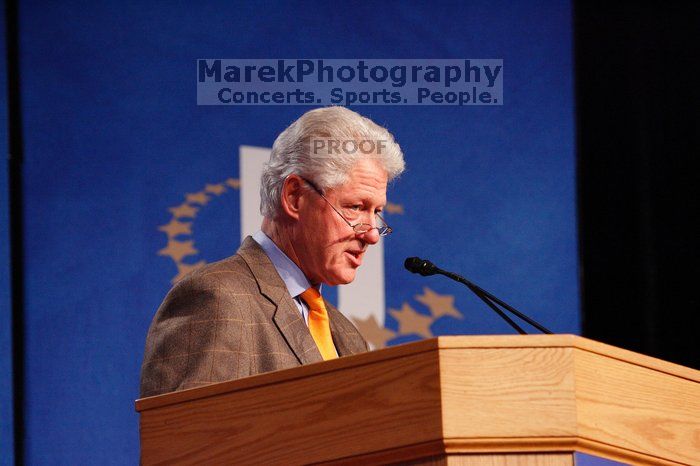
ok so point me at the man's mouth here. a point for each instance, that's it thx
(355, 257)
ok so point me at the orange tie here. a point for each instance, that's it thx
(318, 323)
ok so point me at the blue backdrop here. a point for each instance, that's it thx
(114, 139)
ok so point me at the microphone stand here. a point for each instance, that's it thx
(426, 268)
(493, 303)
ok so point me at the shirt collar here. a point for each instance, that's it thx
(292, 276)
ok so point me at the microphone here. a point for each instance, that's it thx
(425, 268)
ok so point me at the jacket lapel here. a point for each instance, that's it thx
(287, 317)
(336, 332)
(347, 340)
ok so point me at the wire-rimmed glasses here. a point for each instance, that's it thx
(359, 228)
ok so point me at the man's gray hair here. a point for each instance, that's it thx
(346, 132)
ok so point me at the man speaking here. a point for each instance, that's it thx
(260, 310)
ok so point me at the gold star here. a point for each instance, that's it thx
(178, 249)
(217, 189)
(374, 334)
(394, 208)
(197, 198)
(234, 183)
(412, 322)
(175, 228)
(184, 269)
(439, 304)
(184, 210)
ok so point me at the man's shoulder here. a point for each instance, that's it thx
(233, 272)
(227, 285)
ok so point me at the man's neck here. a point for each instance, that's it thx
(279, 235)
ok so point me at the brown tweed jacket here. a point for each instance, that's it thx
(232, 319)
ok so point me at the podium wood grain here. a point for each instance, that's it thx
(547, 459)
(451, 400)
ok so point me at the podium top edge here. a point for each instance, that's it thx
(566, 340)
(443, 343)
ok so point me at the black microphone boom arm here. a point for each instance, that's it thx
(425, 268)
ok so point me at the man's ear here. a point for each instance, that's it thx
(292, 191)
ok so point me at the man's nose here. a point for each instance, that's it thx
(371, 236)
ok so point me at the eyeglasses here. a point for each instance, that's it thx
(359, 228)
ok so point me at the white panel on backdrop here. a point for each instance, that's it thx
(362, 298)
(250, 161)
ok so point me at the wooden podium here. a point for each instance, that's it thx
(484, 400)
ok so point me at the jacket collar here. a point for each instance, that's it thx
(287, 317)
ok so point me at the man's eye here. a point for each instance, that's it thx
(356, 207)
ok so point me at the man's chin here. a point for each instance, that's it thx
(347, 276)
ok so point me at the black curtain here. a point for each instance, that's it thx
(638, 181)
